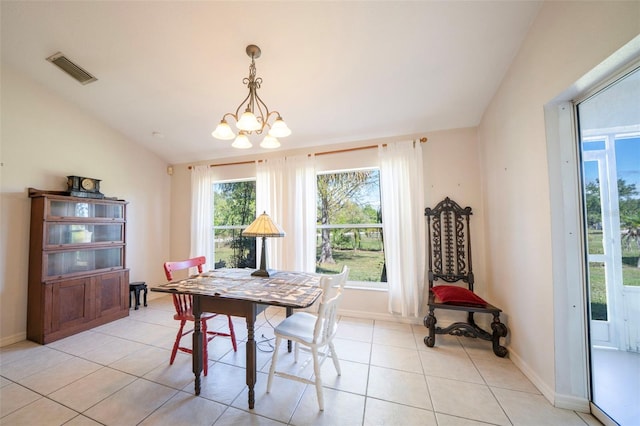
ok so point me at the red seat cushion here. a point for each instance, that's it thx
(457, 295)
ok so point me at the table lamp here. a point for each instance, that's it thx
(263, 227)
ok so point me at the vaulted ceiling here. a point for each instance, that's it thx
(336, 71)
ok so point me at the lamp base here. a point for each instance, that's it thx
(262, 273)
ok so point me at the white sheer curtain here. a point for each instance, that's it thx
(402, 197)
(299, 246)
(286, 190)
(202, 214)
(269, 190)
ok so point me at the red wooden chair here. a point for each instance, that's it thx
(184, 313)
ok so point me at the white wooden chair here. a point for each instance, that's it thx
(314, 332)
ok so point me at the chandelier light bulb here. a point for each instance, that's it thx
(223, 131)
(269, 142)
(248, 122)
(242, 142)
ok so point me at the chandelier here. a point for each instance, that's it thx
(256, 114)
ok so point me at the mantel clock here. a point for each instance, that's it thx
(85, 187)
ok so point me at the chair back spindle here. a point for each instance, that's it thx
(182, 303)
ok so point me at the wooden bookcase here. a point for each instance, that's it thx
(77, 273)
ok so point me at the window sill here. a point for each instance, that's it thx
(367, 285)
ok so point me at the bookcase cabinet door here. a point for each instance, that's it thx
(71, 305)
(111, 294)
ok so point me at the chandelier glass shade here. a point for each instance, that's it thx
(242, 141)
(252, 115)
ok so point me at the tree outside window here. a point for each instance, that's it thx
(234, 208)
(349, 227)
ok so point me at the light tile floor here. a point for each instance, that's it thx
(119, 374)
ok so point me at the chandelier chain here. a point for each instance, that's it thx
(253, 100)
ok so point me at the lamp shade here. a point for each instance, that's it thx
(263, 226)
(279, 129)
(242, 142)
(248, 122)
(270, 142)
(223, 131)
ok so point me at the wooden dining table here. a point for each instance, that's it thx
(235, 292)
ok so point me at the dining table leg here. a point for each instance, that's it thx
(251, 355)
(289, 312)
(197, 343)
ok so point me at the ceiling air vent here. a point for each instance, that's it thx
(75, 71)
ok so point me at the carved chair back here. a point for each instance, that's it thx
(449, 243)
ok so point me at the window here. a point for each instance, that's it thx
(349, 226)
(234, 208)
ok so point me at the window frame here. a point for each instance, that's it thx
(362, 285)
(215, 227)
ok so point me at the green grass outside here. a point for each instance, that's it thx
(630, 274)
(364, 265)
(224, 253)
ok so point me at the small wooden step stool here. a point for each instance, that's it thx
(134, 289)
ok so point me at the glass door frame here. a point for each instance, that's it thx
(613, 326)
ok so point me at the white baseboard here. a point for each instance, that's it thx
(568, 402)
(155, 295)
(542, 386)
(574, 403)
(381, 316)
(10, 340)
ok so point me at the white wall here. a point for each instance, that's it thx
(566, 40)
(44, 139)
(452, 168)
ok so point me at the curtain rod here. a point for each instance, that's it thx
(358, 148)
(237, 163)
(337, 151)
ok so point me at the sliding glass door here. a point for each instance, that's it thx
(609, 126)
